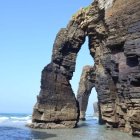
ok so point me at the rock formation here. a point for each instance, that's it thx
(96, 108)
(87, 82)
(113, 29)
(118, 64)
(56, 105)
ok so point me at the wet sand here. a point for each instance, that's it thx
(88, 130)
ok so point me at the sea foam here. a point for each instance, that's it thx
(9, 119)
(3, 119)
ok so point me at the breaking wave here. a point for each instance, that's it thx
(7, 119)
(23, 119)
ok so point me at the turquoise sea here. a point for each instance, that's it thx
(12, 127)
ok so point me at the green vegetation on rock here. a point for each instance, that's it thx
(82, 10)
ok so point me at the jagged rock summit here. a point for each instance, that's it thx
(113, 30)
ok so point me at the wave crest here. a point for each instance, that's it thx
(10, 119)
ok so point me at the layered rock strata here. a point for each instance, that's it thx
(118, 64)
(113, 29)
(87, 82)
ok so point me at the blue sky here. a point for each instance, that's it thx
(27, 32)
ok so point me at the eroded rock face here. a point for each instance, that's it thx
(87, 82)
(114, 42)
(113, 29)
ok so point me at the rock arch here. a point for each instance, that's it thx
(87, 82)
(56, 105)
(112, 27)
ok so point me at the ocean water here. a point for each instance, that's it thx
(12, 127)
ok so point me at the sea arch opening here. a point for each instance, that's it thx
(84, 59)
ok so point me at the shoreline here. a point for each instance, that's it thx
(86, 130)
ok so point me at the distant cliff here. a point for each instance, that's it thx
(113, 30)
(87, 82)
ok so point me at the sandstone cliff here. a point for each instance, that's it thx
(113, 29)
